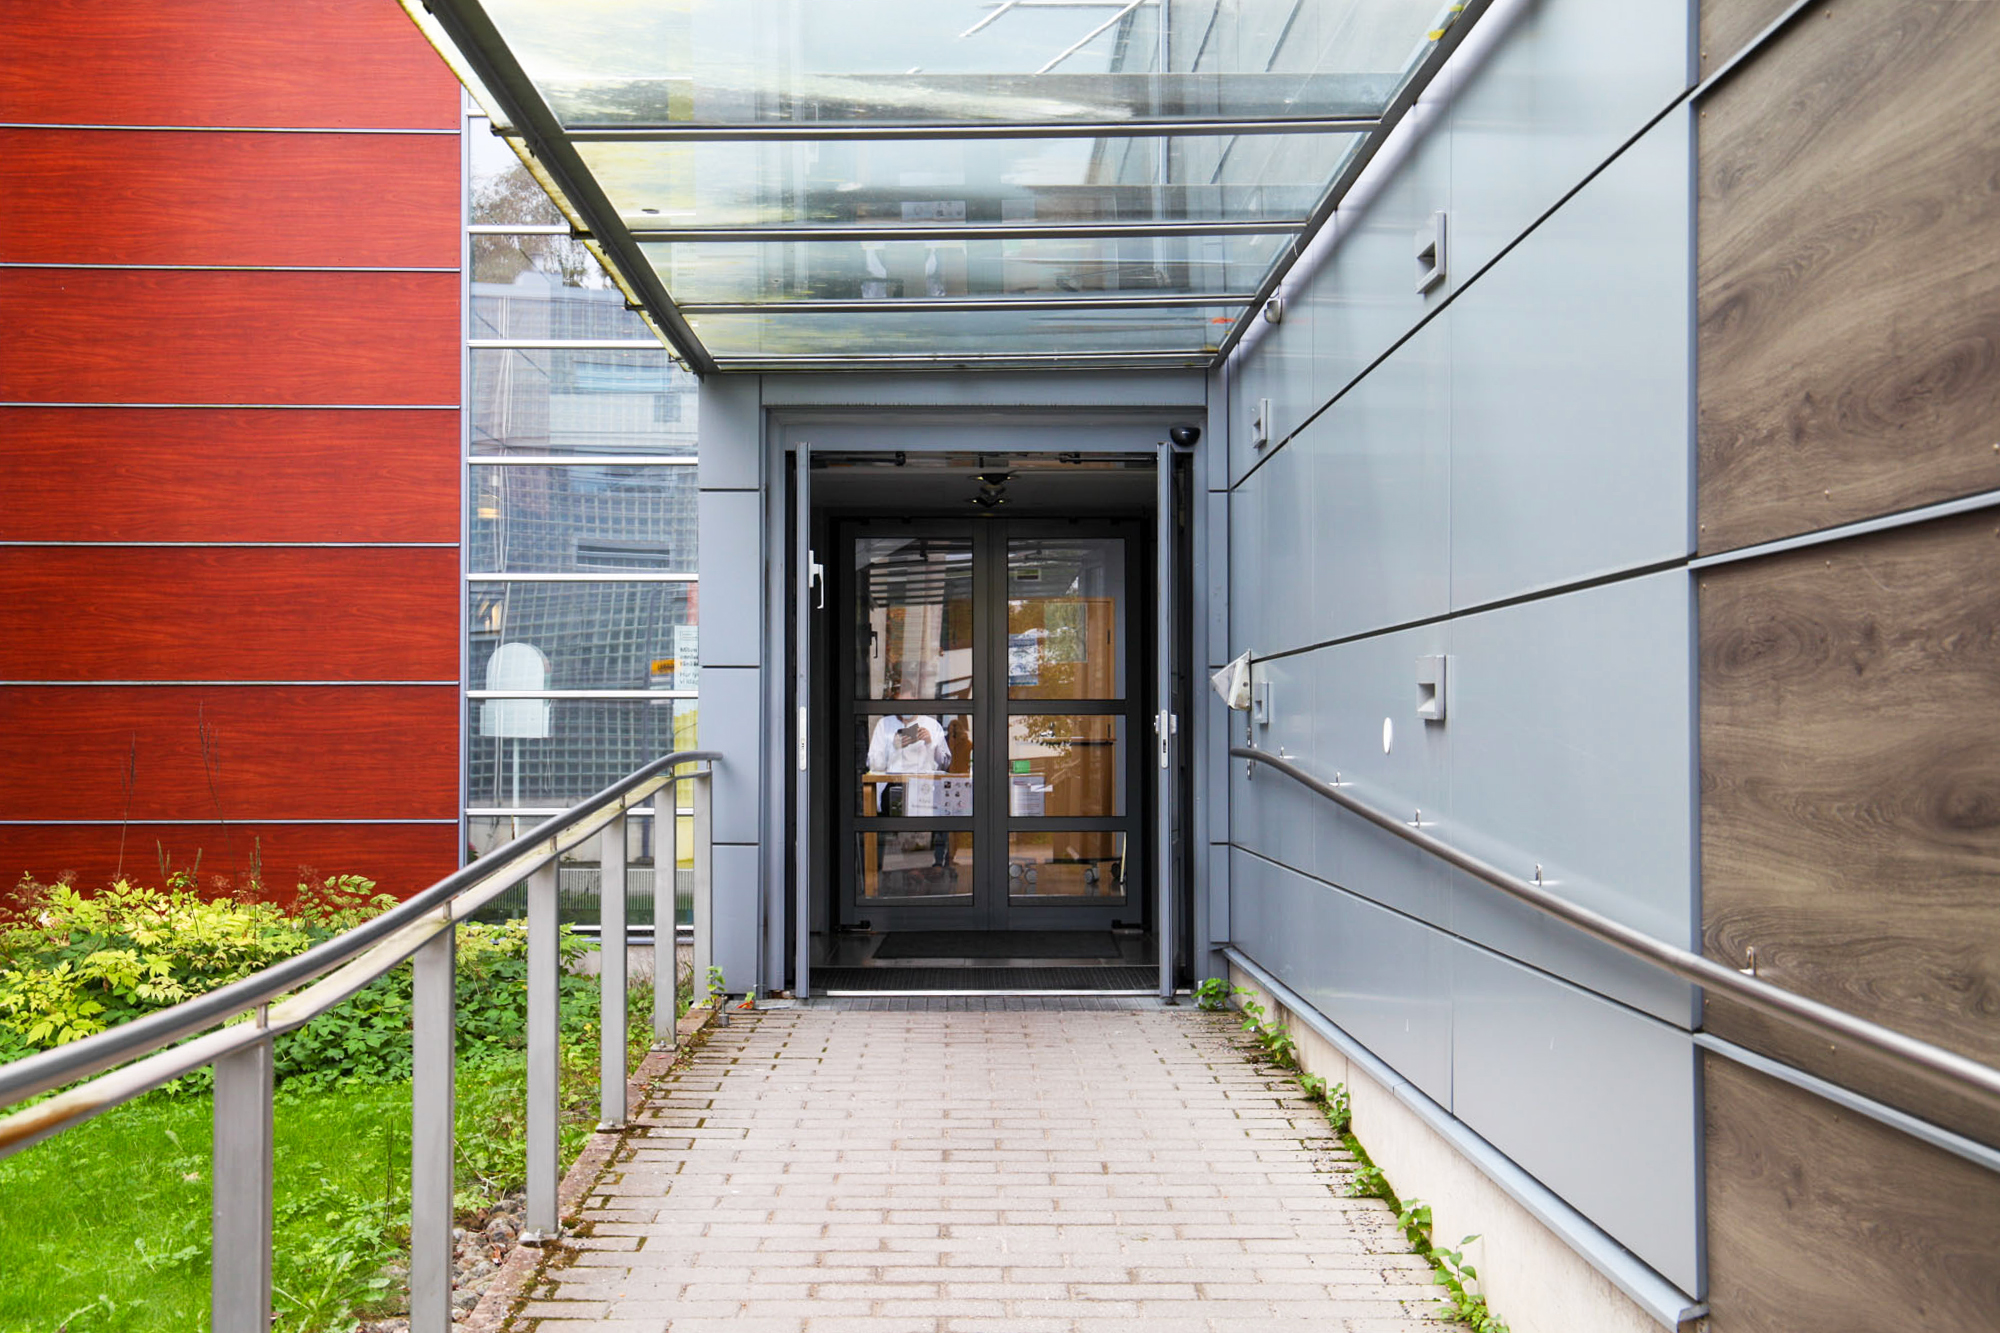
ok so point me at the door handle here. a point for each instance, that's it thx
(1163, 726)
(816, 573)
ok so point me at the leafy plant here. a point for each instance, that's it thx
(1461, 1302)
(1213, 995)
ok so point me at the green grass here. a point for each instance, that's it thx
(106, 1227)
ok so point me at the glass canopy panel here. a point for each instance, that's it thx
(634, 62)
(902, 182)
(1037, 267)
(792, 332)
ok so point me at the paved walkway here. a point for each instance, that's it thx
(995, 1167)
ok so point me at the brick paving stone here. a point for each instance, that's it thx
(1014, 1165)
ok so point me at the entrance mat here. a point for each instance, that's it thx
(984, 944)
(894, 980)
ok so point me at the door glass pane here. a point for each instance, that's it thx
(913, 765)
(1065, 766)
(913, 613)
(920, 867)
(1069, 866)
(1065, 630)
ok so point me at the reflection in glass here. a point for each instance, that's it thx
(1065, 766)
(528, 519)
(913, 765)
(934, 867)
(579, 872)
(581, 401)
(794, 332)
(887, 271)
(595, 636)
(1064, 628)
(1073, 866)
(522, 291)
(913, 610)
(502, 190)
(590, 744)
(1184, 178)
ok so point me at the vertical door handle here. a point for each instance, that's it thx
(804, 748)
(816, 573)
(1163, 728)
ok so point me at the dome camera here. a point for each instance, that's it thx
(1185, 436)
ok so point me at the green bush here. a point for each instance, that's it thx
(73, 964)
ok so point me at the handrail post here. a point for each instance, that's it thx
(433, 1094)
(240, 1235)
(611, 975)
(666, 915)
(544, 1014)
(704, 879)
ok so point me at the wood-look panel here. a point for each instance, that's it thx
(274, 752)
(151, 197)
(153, 474)
(400, 858)
(1727, 24)
(303, 64)
(145, 336)
(1848, 298)
(1820, 1219)
(1850, 808)
(228, 613)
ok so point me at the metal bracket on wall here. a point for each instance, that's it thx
(1430, 253)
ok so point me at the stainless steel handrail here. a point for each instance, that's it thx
(1936, 1065)
(141, 1055)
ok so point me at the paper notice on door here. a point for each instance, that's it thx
(920, 797)
(1027, 797)
(955, 796)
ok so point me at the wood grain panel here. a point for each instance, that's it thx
(304, 64)
(90, 336)
(149, 474)
(1727, 24)
(103, 197)
(276, 752)
(1848, 294)
(1850, 809)
(400, 858)
(228, 613)
(1825, 1220)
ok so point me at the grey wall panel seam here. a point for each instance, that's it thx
(1482, 608)
(1967, 504)
(1653, 1293)
(1469, 941)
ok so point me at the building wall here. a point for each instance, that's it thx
(1497, 471)
(229, 436)
(1848, 307)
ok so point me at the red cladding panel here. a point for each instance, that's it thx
(110, 336)
(256, 752)
(400, 858)
(228, 613)
(302, 64)
(106, 197)
(152, 474)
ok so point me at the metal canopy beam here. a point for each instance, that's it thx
(946, 304)
(974, 232)
(816, 131)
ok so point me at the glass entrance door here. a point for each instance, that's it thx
(989, 692)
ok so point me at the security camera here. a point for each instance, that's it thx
(1185, 436)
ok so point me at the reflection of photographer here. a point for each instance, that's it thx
(908, 743)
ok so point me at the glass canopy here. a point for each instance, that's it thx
(894, 182)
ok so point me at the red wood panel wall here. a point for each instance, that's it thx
(81, 335)
(85, 196)
(171, 542)
(176, 475)
(303, 64)
(231, 613)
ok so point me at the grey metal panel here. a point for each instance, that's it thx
(1247, 598)
(1385, 978)
(1216, 858)
(732, 578)
(730, 433)
(1278, 366)
(1571, 81)
(1174, 388)
(1216, 435)
(736, 898)
(1597, 1102)
(1359, 686)
(1375, 482)
(1277, 818)
(1213, 588)
(1280, 528)
(1012, 432)
(1569, 384)
(1569, 733)
(732, 716)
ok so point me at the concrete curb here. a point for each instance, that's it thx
(523, 1264)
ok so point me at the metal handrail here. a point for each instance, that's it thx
(1942, 1068)
(142, 1054)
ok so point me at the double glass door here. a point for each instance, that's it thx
(989, 678)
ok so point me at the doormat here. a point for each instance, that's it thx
(915, 980)
(1082, 945)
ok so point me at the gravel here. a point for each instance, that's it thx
(478, 1248)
